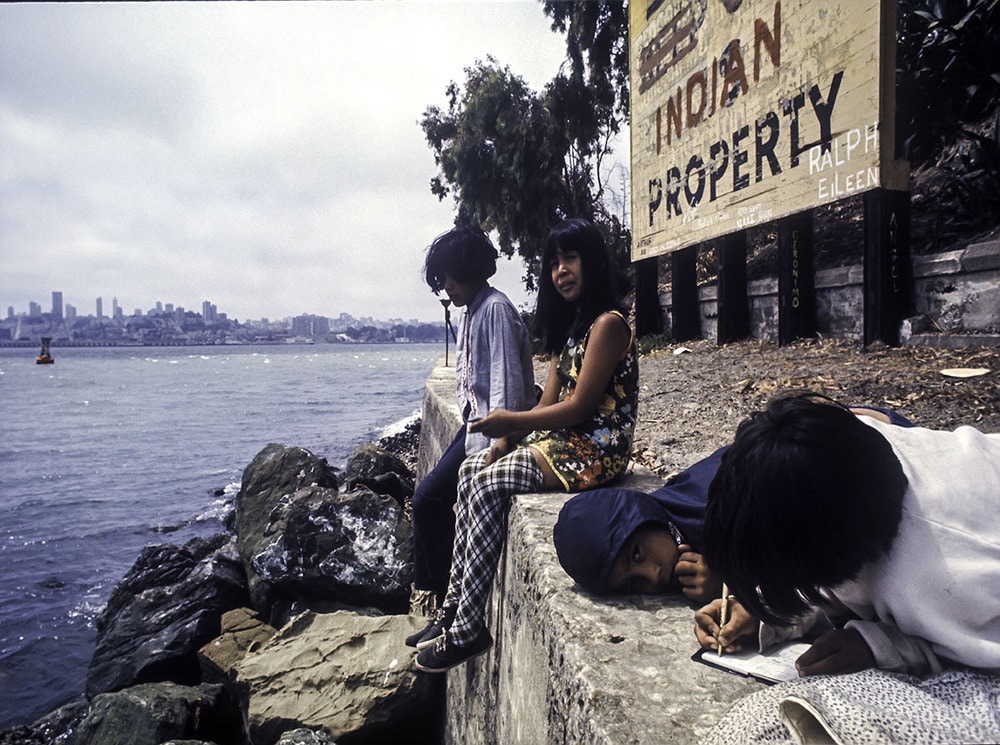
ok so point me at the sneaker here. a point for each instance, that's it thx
(445, 654)
(433, 631)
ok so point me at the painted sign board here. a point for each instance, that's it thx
(744, 111)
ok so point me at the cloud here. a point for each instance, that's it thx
(264, 156)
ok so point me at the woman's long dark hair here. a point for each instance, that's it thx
(556, 320)
(805, 497)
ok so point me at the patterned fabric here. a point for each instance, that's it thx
(872, 706)
(484, 495)
(598, 450)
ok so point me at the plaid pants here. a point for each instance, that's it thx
(484, 495)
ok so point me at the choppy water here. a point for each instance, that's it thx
(110, 449)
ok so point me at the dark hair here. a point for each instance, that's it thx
(464, 253)
(804, 498)
(556, 319)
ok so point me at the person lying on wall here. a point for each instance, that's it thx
(623, 541)
(885, 539)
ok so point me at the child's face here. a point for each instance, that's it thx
(567, 275)
(645, 563)
(460, 293)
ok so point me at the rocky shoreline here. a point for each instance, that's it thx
(283, 628)
(316, 563)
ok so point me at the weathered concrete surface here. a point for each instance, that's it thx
(568, 667)
(439, 417)
(957, 291)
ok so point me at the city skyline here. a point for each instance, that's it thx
(59, 308)
(268, 156)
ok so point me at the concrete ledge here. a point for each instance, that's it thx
(567, 667)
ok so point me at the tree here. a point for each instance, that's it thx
(517, 161)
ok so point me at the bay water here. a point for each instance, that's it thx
(113, 448)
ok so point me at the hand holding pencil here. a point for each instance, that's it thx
(723, 616)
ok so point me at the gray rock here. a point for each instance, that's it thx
(153, 713)
(272, 477)
(305, 544)
(303, 736)
(381, 471)
(323, 548)
(344, 673)
(58, 727)
(167, 606)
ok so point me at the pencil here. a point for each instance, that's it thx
(723, 612)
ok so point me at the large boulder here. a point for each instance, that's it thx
(346, 673)
(273, 476)
(324, 549)
(167, 606)
(306, 544)
(154, 713)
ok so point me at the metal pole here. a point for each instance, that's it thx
(447, 325)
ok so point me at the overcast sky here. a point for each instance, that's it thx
(265, 157)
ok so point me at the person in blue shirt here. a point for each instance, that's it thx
(493, 370)
(623, 541)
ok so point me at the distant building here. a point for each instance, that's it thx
(100, 308)
(34, 310)
(57, 305)
(209, 313)
(309, 325)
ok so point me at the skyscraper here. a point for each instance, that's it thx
(57, 305)
(100, 308)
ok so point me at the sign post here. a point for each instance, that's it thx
(744, 112)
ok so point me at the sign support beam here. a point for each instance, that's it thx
(685, 310)
(796, 278)
(734, 305)
(888, 267)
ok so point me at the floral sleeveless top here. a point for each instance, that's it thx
(598, 450)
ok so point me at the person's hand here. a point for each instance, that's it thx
(836, 653)
(497, 423)
(739, 627)
(498, 449)
(694, 576)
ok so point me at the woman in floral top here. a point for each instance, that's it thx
(579, 436)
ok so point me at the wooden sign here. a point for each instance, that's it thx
(744, 111)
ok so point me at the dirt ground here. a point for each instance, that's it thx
(690, 402)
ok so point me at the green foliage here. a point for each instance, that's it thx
(946, 70)
(652, 343)
(516, 161)
(597, 48)
(504, 156)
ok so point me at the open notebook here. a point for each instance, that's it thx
(773, 666)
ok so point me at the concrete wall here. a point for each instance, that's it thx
(955, 291)
(567, 667)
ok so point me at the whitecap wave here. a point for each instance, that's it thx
(400, 426)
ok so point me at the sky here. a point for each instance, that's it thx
(266, 157)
